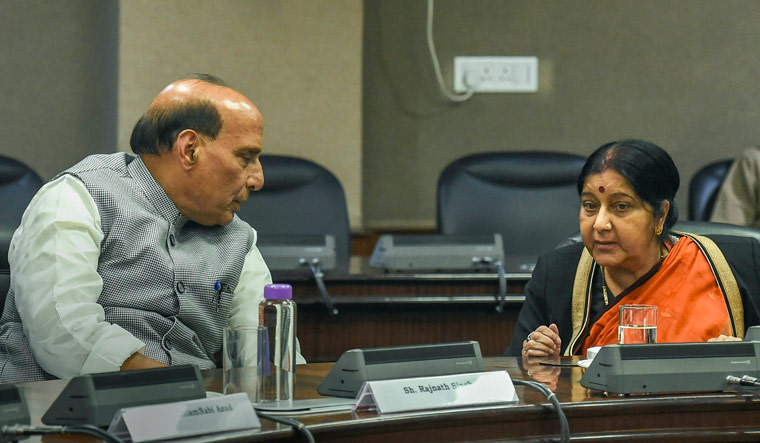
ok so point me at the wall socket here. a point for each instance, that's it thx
(496, 74)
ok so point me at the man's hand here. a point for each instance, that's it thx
(139, 361)
(543, 342)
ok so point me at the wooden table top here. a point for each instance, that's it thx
(591, 414)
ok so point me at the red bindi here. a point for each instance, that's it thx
(601, 189)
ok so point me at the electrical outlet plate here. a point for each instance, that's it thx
(496, 74)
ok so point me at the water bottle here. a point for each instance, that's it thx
(277, 344)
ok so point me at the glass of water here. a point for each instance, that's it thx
(638, 324)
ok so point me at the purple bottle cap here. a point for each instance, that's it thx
(278, 291)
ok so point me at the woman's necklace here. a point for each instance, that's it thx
(604, 282)
(604, 289)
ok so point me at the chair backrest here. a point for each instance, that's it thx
(707, 228)
(704, 187)
(18, 184)
(300, 197)
(5, 284)
(693, 227)
(530, 197)
(6, 232)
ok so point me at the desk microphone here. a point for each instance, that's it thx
(746, 380)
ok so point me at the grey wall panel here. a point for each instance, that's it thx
(682, 73)
(58, 81)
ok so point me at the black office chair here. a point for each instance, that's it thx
(707, 228)
(5, 284)
(693, 227)
(529, 197)
(300, 197)
(704, 187)
(6, 232)
(18, 184)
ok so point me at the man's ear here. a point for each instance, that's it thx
(187, 146)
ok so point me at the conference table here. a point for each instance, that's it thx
(592, 415)
(378, 308)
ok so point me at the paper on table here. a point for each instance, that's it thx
(324, 405)
(590, 354)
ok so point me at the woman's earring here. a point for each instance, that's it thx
(658, 231)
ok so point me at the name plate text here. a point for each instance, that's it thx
(439, 392)
(182, 419)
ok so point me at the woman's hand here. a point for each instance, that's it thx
(722, 337)
(548, 375)
(542, 342)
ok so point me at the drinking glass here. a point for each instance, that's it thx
(239, 349)
(638, 324)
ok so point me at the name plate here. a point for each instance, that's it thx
(439, 392)
(182, 419)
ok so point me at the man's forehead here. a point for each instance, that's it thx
(185, 88)
(240, 116)
(237, 105)
(181, 86)
(194, 89)
(233, 104)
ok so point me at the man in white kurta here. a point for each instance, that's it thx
(738, 201)
(129, 262)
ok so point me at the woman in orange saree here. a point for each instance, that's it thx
(629, 255)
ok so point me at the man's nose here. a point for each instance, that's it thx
(256, 180)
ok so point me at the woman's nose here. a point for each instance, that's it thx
(602, 221)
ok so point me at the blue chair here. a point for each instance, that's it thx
(704, 187)
(530, 197)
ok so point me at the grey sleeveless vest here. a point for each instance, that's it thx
(159, 271)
